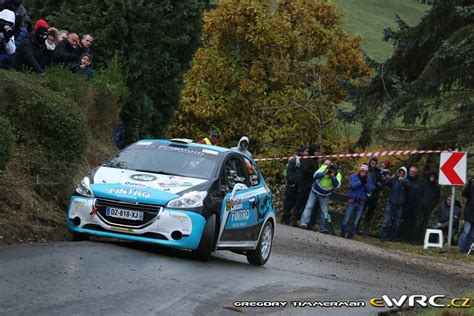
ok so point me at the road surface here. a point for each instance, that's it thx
(105, 277)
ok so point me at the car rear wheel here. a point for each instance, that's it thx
(260, 255)
(206, 245)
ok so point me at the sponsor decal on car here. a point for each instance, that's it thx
(133, 192)
(240, 215)
(184, 150)
(135, 184)
(143, 177)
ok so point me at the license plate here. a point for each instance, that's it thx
(124, 214)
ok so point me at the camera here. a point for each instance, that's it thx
(331, 169)
(6, 32)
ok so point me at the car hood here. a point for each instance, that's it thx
(137, 186)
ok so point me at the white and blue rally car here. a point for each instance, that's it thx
(179, 194)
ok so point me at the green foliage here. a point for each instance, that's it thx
(272, 73)
(424, 92)
(54, 118)
(370, 17)
(154, 41)
(7, 139)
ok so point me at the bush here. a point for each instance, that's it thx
(7, 139)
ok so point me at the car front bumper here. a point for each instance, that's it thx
(173, 228)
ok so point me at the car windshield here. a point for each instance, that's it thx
(155, 157)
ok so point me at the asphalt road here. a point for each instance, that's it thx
(104, 277)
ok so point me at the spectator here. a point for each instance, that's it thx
(11, 5)
(50, 44)
(86, 43)
(118, 134)
(327, 178)
(442, 216)
(242, 146)
(308, 167)
(67, 51)
(394, 207)
(430, 194)
(32, 50)
(375, 176)
(360, 187)
(292, 177)
(62, 35)
(41, 23)
(408, 227)
(84, 68)
(385, 169)
(7, 38)
(466, 238)
(212, 139)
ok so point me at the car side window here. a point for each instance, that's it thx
(253, 174)
(234, 172)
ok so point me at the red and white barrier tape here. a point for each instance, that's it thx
(364, 154)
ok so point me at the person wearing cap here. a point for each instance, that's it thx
(326, 179)
(396, 201)
(242, 146)
(360, 186)
(7, 38)
(211, 140)
(32, 51)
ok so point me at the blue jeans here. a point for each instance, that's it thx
(352, 208)
(391, 212)
(309, 208)
(467, 236)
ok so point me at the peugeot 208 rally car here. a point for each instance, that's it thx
(179, 194)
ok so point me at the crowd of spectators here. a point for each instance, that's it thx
(27, 46)
(409, 206)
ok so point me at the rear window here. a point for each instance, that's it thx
(161, 158)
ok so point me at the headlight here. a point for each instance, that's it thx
(188, 200)
(83, 188)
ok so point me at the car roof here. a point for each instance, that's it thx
(192, 144)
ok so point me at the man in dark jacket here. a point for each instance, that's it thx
(429, 194)
(375, 176)
(292, 176)
(442, 216)
(32, 50)
(67, 51)
(308, 167)
(395, 204)
(408, 228)
(467, 235)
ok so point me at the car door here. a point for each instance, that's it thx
(260, 202)
(236, 217)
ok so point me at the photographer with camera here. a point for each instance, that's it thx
(7, 38)
(327, 178)
(467, 234)
(361, 186)
(397, 199)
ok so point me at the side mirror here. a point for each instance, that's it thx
(238, 187)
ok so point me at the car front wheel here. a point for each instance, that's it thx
(206, 245)
(260, 255)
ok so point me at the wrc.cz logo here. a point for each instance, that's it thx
(420, 300)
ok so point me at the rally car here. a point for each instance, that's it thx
(180, 194)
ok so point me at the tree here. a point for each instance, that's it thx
(272, 71)
(424, 92)
(155, 41)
